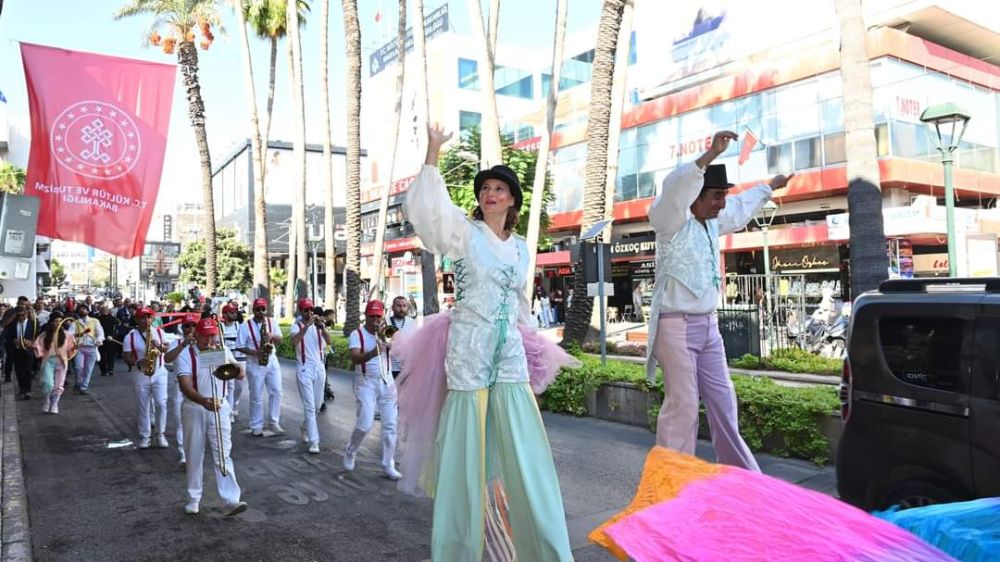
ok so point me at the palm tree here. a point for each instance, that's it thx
(329, 244)
(383, 208)
(352, 267)
(598, 121)
(869, 262)
(541, 169)
(428, 267)
(299, 152)
(182, 21)
(490, 126)
(261, 266)
(618, 82)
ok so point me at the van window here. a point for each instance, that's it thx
(925, 352)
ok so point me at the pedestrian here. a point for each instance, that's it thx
(400, 322)
(637, 314)
(188, 323)
(373, 386)
(689, 215)
(310, 339)
(489, 426)
(254, 336)
(145, 347)
(230, 331)
(89, 335)
(412, 307)
(110, 349)
(19, 337)
(53, 348)
(206, 417)
(557, 306)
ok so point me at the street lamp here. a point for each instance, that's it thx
(947, 123)
(764, 219)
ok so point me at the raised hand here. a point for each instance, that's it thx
(720, 143)
(779, 181)
(436, 137)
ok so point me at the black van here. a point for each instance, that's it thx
(920, 394)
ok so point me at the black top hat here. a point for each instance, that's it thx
(504, 174)
(715, 177)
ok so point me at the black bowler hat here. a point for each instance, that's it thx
(715, 177)
(504, 174)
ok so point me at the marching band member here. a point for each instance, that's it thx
(89, 334)
(254, 334)
(373, 385)
(400, 320)
(206, 417)
(310, 338)
(144, 346)
(230, 333)
(188, 323)
(689, 215)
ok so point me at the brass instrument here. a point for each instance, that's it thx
(266, 347)
(55, 340)
(152, 357)
(225, 373)
(385, 334)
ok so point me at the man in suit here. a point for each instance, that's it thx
(19, 336)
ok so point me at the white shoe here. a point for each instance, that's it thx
(182, 464)
(349, 459)
(303, 435)
(144, 443)
(191, 508)
(54, 409)
(161, 441)
(314, 448)
(236, 509)
(391, 473)
(232, 418)
(257, 432)
(276, 428)
(45, 404)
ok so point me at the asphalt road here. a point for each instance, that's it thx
(93, 496)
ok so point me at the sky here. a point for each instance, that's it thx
(88, 25)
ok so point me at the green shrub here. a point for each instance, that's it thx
(791, 360)
(338, 357)
(747, 361)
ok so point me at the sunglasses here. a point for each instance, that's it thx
(261, 309)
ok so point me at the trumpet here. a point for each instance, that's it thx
(385, 334)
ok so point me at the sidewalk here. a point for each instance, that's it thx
(15, 538)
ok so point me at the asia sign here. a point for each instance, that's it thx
(435, 23)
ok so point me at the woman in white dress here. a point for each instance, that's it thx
(492, 453)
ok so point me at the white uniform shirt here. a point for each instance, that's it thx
(230, 337)
(312, 346)
(249, 335)
(372, 367)
(406, 323)
(135, 341)
(204, 362)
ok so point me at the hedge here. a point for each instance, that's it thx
(338, 358)
(766, 408)
(791, 360)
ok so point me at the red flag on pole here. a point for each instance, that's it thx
(98, 135)
(750, 140)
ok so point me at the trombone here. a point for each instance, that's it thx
(225, 373)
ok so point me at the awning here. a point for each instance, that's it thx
(552, 258)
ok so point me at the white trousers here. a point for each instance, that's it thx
(259, 377)
(311, 378)
(371, 391)
(150, 390)
(177, 398)
(199, 426)
(235, 388)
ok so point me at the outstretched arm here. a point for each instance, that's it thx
(440, 224)
(741, 208)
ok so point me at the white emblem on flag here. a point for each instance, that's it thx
(95, 139)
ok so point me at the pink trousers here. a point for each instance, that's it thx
(689, 348)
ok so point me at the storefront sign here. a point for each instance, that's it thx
(435, 23)
(907, 109)
(634, 247)
(643, 270)
(930, 263)
(561, 271)
(924, 216)
(805, 259)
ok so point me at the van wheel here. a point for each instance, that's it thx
(917, 493)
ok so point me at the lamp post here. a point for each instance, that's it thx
(764, 218)
(947, 123)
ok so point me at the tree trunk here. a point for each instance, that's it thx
(377, 289)
(490, 147)
(187, 59)
(869, 263)
(598, 121)
(428, 265)
(270, 96)
(541, 167)
(352, 42)
(299, 152)
(329, 244)
(261, 274)
(618, 83)
(290, 266)
(494, 27)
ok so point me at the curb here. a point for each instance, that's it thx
(15, 536)
(792, 378)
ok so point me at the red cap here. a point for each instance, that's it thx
(144, 312)
(190, 318)
(229, 308)
(374, 308)
(207, 327)
(305, 304)
(260, 303)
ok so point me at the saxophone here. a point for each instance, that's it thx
(266, 347)
(152, 358)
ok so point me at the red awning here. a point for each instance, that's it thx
(552, 258)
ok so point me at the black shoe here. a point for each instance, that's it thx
(322, 408)
(83, 391)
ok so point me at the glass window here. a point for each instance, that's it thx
(910, 140)
(882, 139)
(748, 107)
(834, 151)
(629, 187)
(831, 115)
(807, 153)
(546, 84)
(513, 82)
(468, 74)
(631, 49)
(779, 158)
(924, 351)
(468, 120)
(647, 184)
